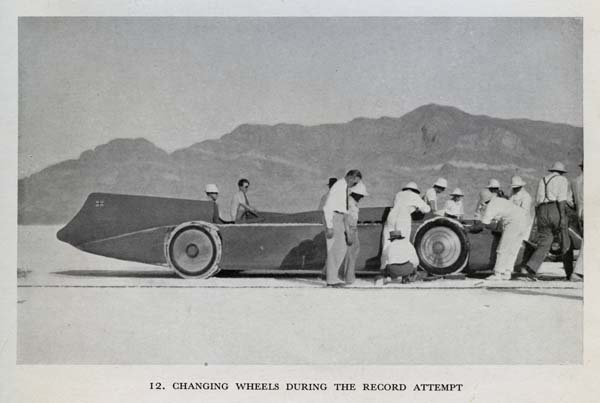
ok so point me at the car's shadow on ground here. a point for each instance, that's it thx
(118, 273)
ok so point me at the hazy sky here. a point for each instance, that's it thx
(177, 81)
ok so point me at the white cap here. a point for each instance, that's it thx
(457, 192)
(212, 188)
(493, 184)
(558, 167)
(411, 185)
(517, 182)
(441, 182)
(359, 189)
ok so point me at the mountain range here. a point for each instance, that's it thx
(288, 164)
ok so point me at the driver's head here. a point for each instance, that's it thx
(243, 185)
(212, 192)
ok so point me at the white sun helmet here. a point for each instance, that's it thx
(211, 188)
(558, 167)
(517, 182)
(485, 196)
(441, 182)
(412, 186)
(493, 184)
(457, 192)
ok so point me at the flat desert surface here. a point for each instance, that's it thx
(77, 308)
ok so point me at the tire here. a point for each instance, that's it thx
(442, 246)
(193, 249)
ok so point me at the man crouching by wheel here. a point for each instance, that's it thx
(399, 260)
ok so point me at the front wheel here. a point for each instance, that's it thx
(442, 246)
(193, 249)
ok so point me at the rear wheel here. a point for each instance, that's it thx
(442, 246)
(193, 250)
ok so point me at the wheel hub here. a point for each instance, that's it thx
(192, 250)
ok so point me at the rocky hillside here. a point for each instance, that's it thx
(288, 165)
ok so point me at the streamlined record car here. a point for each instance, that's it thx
(179, 233)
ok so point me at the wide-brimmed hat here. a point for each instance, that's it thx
(457, 192)
(493, 184)
(441, 183)
(396, 235)
(517, 182)
(211, 188)
(359, 189)
(411, 186)
(558, 167)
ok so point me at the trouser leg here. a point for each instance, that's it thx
(579, 264)
(508, 249)
(547, 220)
(336, 250)
(350, 262)
(567, 259)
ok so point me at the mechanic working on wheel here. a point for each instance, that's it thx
(212, 194)
(399, 218)
(240, 206)
(454, 207)
(430, 196)
(494, 187)
(521, 197)
(515, 229)
(357, 192)
(334, 210)
(551, 214)
(399, 260)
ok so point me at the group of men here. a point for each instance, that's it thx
(399, 261)
(495, 210)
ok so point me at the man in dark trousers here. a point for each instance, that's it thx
(551, 214)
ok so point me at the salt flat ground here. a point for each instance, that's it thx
(76, 308)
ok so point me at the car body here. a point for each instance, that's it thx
(180, 233)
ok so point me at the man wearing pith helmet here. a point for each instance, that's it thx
(494, 187)
(431, 194)
(454, 207)
(551, 199)
(399, 218)
(521, 197)
(212, 194)
(515, 230)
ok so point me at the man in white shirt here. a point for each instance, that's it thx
(520, 197)
(399, 258)
(513, 234)
(454, 207)
(240, 206)
(551, 203)
(399, 218)
(431, 194)
(212, 194)
(334, 210)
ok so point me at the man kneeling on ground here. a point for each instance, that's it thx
(399, 259)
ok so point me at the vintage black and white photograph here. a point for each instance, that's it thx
(324, 190)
